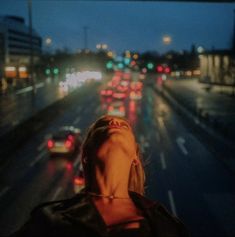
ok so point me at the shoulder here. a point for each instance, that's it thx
(164, 223)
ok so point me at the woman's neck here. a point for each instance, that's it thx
(112, 175)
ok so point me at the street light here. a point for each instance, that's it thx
(167, 39)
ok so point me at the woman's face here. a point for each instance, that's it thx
(114, 131)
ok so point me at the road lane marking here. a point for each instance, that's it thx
(76, 121)
(58, 191)
(41, 146)
(29, 88)
(172, 202)
(4, 191)
(180, 142)
(38, 158)
(163, 162)
(39, 85)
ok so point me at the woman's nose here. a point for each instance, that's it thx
(114, 122)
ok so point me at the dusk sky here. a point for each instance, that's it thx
(122, 25)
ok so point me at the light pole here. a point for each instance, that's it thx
(31, 61)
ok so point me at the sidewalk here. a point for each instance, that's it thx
(215, 109)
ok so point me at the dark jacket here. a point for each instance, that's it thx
(79, 217)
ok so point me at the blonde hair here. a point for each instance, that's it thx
(91, 142)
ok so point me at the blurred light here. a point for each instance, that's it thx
(10, 69)
(128, 54)
(188, 73)
(167, 70)
(166, 39)
(79, 181)
(47, 71)
(144, 70)
(110, 54)
(127, 61)
(197, 72)
(120, 66)
(98, 46)
(160, 68)
(69, 166)
(200, 49)
(104, 46)
(135, 56)
(150, 66)
(68, 144)
(22, 69)
(50, 144)
(48, 41)
(164, 77)
(109, 65)
(133, 63)
(56, 71)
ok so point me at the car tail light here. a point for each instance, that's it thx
(79, 181)
(121, 109)
(71, 138)
(50, 144)
(110, 108)
(68, 144)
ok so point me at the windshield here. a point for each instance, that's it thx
(167, 67)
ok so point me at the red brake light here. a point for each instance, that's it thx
(50, 143)
(79, 181)
(121, 109)
(167, 70)
(71, 138)
(68, 144)
(159, 68)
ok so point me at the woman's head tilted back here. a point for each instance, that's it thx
(98, 133)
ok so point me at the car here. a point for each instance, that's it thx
(117, 108)
(64, 141)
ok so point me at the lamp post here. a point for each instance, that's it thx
(31, 61)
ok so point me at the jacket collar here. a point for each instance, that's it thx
(82, 210)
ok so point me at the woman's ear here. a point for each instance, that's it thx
(135, 162)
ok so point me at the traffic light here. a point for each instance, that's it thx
(55, 71)
(109, 65)
(120, 66)
(150, 66)
(160, 68)
(48, 71)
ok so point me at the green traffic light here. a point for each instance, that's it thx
(109, 65)
(48, 71)
(150, 66)
(120, 66)
(56, 71)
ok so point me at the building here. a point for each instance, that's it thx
(15, 47)
(218, 67)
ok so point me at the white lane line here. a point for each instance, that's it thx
(24, 90)
(38, 158)
(172, 202)
(76, 121)
(39, 85)
(29, 88)
(4, 191)
(180, 142)
(56, 194)
(41, 146)
(163, 161)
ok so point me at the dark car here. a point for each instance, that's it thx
(65, 141)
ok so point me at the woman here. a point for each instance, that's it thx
(112, 203)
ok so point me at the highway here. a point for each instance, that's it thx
(181, 169)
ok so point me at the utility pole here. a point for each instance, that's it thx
(85, 28)
(31, 60)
